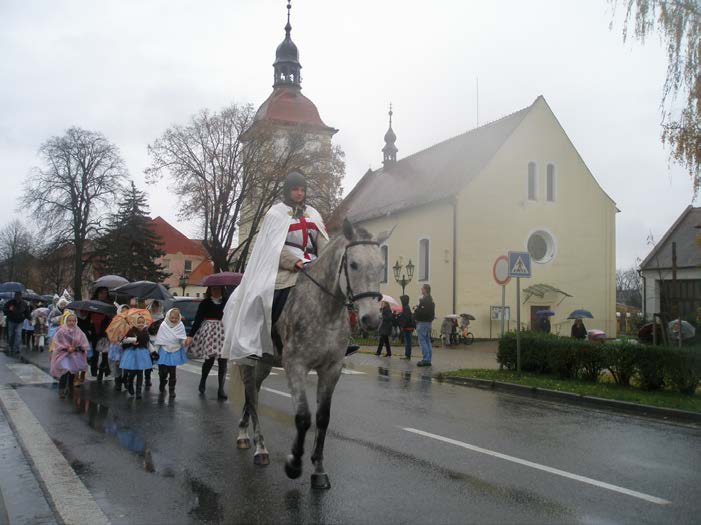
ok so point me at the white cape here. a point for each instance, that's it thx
(248, 313)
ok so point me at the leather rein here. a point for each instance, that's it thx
(349, 297)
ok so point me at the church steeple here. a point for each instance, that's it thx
(287, 67)
(390, 150)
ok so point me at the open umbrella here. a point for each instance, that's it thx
(31, 297)
(396, 308)
(580, 314)
(93, 306)
(391, 300)
(688, 329)
(144, 290)
(469, 317)
(47, 298)
(452, 316)
(222, 279)
(40, 311)
(596, 335)
(545, 313)
(109, 281)
(121, 323)
(12, 287)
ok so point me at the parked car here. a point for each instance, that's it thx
(188, 308)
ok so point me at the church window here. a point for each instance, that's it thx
(385, 258)
(541, 246)
(188, 265)
(550, 183)
(531, 182)
(424, 257)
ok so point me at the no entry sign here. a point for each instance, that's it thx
(501, 270)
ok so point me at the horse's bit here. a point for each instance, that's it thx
(349, 296)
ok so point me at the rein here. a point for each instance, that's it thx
(349, 296)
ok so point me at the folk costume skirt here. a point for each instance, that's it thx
(115, 352)
(177, 358)
(136, 359)
(209, 339)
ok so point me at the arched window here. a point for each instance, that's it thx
(424, 258)
(550, 183)
(385, 260)
(532, 187)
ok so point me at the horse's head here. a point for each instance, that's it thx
(365, 269)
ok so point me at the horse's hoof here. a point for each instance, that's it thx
(320, 481)
(293, 467)
(261, 459)
(243, 443)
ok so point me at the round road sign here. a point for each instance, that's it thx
(501, 270)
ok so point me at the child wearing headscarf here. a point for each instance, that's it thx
(136, 357)
(170, 342)
(114, 355)
(69, 353)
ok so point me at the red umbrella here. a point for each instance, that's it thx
(222, 279)
(396, 308)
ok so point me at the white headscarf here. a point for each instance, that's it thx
(171, 335)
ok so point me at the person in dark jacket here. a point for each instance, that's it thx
(207, 337)
(579, 331)
(99, 362)
(16, 310)
(424, 315)
(545, 324)
(385, 329)
(406, 325)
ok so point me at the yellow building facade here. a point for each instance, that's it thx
(517, 184)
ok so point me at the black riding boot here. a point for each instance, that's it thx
(223, 363)
(206, 367)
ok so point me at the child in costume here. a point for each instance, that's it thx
(170, 342)
(68, 357)
(136, 357)
(114, 355)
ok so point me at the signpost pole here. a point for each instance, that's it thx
(503, 308)
(518, 325)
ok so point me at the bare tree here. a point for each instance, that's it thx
(16, 251)
(81, 174)
(679, 23)
(225, 175)
(629, 286)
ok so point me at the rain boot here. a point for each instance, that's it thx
(139, 383)
(206, 367)
(221, 394)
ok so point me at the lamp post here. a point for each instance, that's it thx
(403, 279)
(183, 282)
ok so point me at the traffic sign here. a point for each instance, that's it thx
(500, 270)
(519, 264)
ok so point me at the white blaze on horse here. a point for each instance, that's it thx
(315, 330)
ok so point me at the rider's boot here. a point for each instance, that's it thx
(223, 364)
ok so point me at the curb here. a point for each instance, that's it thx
(579, 399)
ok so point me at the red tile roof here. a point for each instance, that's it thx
(202, 270)
(173, 241)
(287, 105)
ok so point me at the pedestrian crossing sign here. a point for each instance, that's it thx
(519, 264)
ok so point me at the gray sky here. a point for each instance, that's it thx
(131, 68)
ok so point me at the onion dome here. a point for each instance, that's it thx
(390, 150)
(286, 66)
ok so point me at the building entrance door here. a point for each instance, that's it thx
(535, 320)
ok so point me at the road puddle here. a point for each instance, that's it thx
(206, 506)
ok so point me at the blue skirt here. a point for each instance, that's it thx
(136, 359)
(115, 352)
(172, 358)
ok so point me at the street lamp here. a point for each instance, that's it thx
(183, 282)
(403, 280)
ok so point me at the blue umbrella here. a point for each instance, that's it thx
(580, 314)
(12, 287)
(545, 313)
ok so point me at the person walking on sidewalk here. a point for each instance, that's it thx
(407, 325)
(17, 311)
(68, 357)
(385, 330)
(136, 357)
(170, 342)
(424, 314)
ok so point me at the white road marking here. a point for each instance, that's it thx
(187, 367)
(30, 374)
(278, 392)
(551, 470)
(345, 371)
(71, 499)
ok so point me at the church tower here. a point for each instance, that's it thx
(389, 151)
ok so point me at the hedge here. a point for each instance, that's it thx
(653, 367)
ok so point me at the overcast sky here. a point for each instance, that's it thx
(132, 68)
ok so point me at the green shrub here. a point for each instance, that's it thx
(650, 365)
(562, 358)
(534, 351)
(622, 358)
(683, 370)
(591, 360)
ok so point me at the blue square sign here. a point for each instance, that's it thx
(519, 264)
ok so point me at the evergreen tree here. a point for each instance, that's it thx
(129, 246)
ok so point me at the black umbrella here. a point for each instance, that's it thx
(12, 287)
(110, 281)
(144, 290)
(93, 306)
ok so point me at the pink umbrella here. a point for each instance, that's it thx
(222, 279)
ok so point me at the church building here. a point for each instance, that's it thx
(515, 184)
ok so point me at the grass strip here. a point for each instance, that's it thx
(663, 398)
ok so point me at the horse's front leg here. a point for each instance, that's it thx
(296, 379)
(261, 456)
(324, 392)
(243, 441)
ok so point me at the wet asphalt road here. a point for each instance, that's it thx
(161, 461)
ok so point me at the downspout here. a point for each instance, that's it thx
(640, 273)
(455, 244)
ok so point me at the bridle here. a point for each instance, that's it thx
(349, 297)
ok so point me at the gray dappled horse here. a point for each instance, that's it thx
(314, 329)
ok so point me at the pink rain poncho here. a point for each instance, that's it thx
(63, 361)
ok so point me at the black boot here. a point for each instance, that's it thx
(118, 384)
(223, 364)
(171, 383)
(99, 375)
(62, 381)
(147, 373)
(162, 378)
(352, 349)
(206, 367)
(139, 383)
(130, 382)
